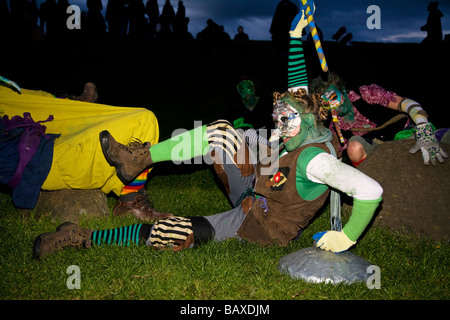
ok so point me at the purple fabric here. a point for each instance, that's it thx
(29, 141)
(375, 94)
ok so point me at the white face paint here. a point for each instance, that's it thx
(287, 121)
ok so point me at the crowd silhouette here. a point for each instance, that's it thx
(25, 21)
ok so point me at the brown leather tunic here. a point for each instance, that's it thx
(279, 213)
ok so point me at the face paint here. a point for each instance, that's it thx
(287, 120)
(246, 87)
(332, 97)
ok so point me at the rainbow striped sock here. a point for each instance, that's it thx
(136, 185)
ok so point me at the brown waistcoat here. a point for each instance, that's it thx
(279, 213)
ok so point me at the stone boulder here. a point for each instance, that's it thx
(70, 205)
(416, 197)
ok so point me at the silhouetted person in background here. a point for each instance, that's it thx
(208, 36)
(166, 20)
(241, 36)
(281, 24)
(251, 106)
(180, 25)
(152, 11)
(4, 20)
(338, 35)
(60, 31)
(138, 22)
(433, 26)
(47, 16)
(241, 41)
(342, 37)
(181, 12)
(23, 20)
(179, 17)
(96, 26)
(115, 17)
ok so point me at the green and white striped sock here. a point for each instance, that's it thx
(122, 236)
(297, 76)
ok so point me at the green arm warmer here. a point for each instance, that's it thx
(362, 213)
(181, 147)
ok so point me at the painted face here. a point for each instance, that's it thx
(246, 88)
(287, 120)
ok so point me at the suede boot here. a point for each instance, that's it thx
(130, 160)
(66, 235)
(138, 205)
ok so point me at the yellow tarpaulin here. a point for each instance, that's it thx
(78, 160)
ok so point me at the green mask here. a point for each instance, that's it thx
(339, 100)
(246, 90)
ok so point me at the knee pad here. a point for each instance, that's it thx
(224, 138)
(172, 233)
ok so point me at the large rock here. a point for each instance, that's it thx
(70, 205)
(416, 197)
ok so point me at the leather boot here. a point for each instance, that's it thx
(130, 160)
(140, 208)
(66, 235)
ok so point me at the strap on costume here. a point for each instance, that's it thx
(335, 201)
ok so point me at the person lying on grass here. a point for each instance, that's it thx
(65, 153)
(274, 193)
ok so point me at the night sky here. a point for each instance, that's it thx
(400, 19)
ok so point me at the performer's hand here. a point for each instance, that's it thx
(335, 241)
(428, 144)
(300, 21)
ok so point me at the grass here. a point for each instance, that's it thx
(411, 268)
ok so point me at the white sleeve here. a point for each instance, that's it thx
(326, 169)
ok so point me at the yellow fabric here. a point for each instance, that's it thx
(78, 160)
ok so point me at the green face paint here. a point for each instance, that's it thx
(246, 88)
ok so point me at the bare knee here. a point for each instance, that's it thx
(355, 151)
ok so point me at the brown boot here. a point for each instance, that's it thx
(67, 235)
(140, 208)
(130, 160)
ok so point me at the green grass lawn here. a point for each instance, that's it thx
(410, 268)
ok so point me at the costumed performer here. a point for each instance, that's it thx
(48, 143)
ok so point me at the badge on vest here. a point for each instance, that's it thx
(277, 180)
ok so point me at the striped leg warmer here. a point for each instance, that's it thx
(297, 76)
